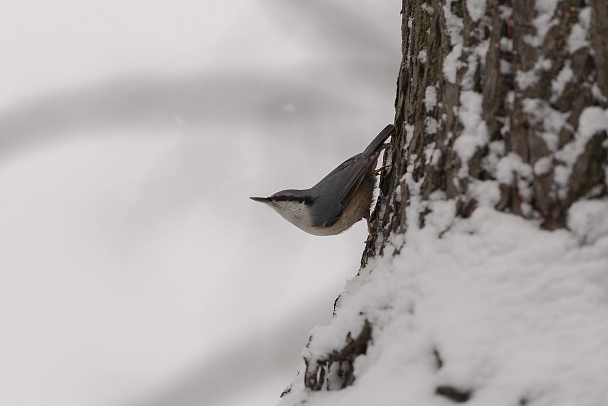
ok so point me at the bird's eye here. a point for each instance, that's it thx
(308, 200)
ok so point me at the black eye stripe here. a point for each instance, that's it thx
(307, 200)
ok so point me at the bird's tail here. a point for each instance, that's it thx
(378, 142)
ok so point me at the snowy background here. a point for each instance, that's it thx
(134, 268)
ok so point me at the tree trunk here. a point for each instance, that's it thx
(500, 105)
(530, 89)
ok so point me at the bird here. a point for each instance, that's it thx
(337, 201)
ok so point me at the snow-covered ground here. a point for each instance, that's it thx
(495, 308)
(134, 269)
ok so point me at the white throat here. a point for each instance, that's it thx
(294, 212)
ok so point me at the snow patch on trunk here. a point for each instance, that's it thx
(492, 309)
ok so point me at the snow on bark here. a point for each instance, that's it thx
(462, 294)
(495, 312)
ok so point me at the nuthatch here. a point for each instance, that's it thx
(339, 200)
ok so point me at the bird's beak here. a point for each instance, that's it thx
(260, 199)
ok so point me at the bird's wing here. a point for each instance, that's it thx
(346, 180)
(357, 167)
(353, 176)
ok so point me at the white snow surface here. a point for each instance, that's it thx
(543, 21)
(454, 26)
(578, 36)
(558, 84)
(588, 220)
(430, 98)
(475, 132)
(476, 9)
(517, 315)
(593, 119)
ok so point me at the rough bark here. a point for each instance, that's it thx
(520, 118)
(531, 88)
